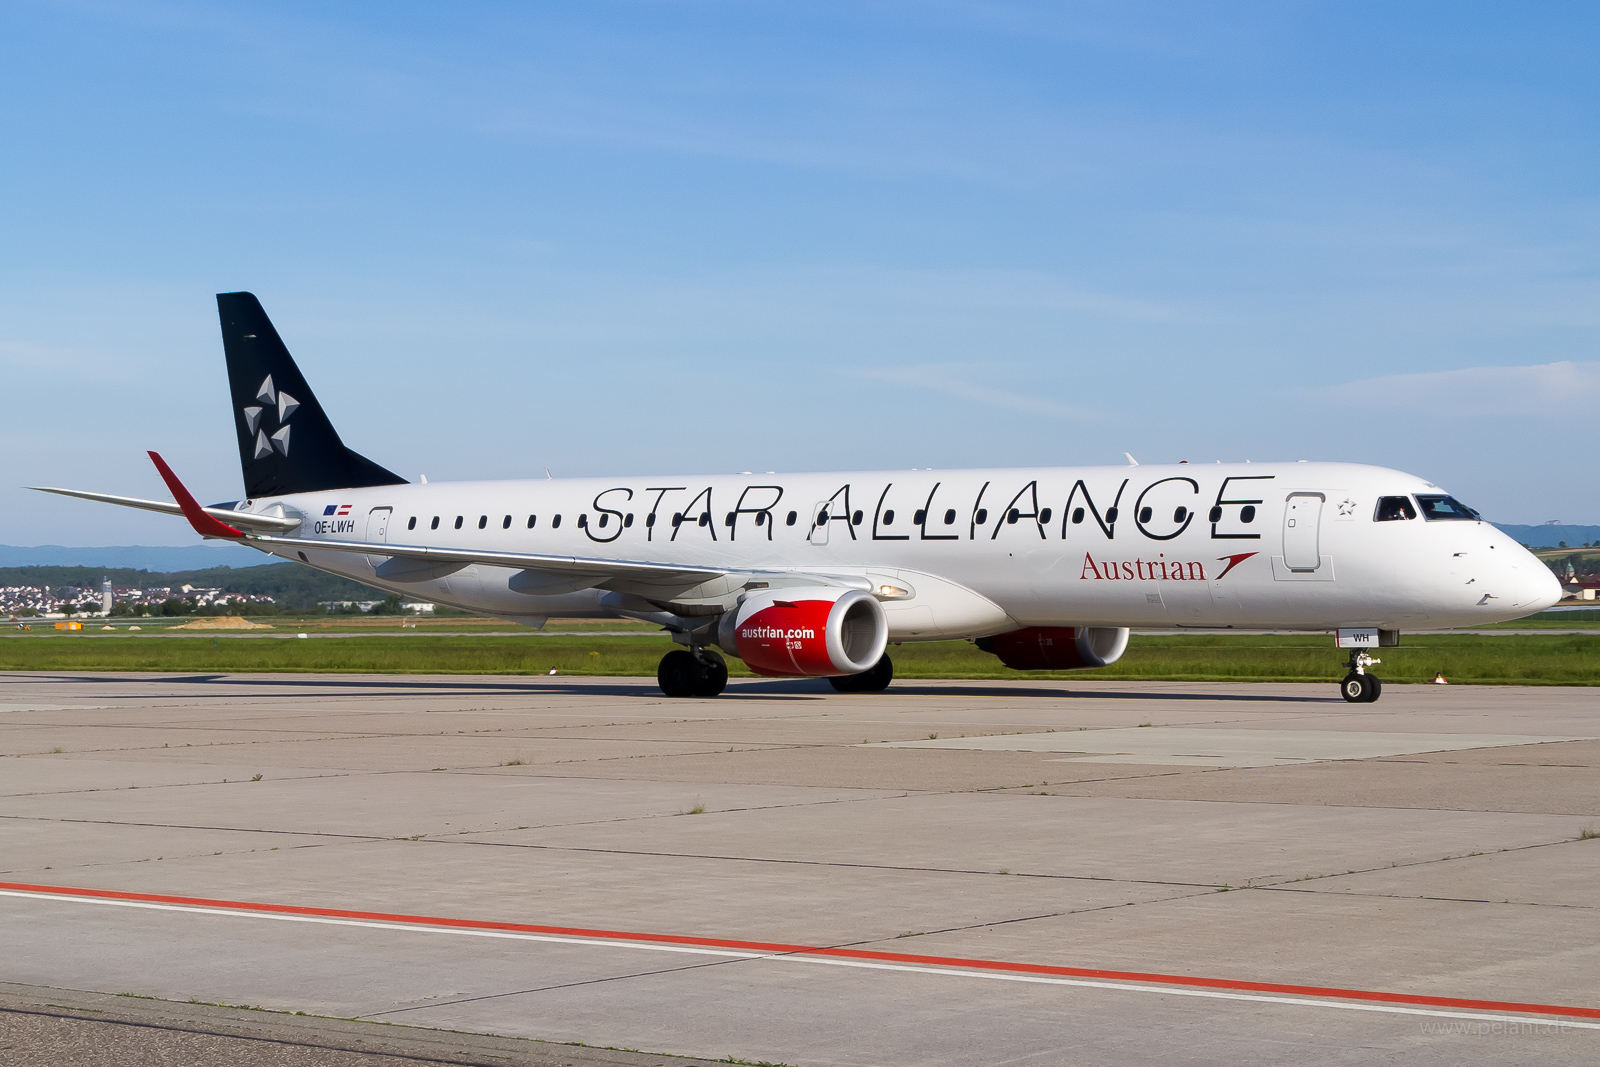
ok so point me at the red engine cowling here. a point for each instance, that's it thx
(812, 632)
(1058, 648)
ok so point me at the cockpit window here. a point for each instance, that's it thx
(1391, 508)
(1444, 507)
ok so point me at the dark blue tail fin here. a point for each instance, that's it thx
(286, 443)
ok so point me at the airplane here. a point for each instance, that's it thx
(814, 575)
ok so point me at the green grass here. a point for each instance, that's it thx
(1522, 660)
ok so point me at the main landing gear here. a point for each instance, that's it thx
(697, 673)
(700, 672)
(875, 679)
(1358, 686)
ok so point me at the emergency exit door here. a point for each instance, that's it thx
(378, 531)
(1302, 520)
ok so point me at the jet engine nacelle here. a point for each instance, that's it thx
(1058, 648)
(810, 631)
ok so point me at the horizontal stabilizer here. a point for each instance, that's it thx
(242, 519)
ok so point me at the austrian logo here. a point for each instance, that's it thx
(777, 632)
(1160, 569)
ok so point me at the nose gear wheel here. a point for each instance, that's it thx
(1358, 686)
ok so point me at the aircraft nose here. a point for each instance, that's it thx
(1537, 588)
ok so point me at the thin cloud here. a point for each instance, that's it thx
(1543, 389)
(947, 380)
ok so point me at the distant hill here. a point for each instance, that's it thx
(1551, 536)
(159, 558)
(289, 584)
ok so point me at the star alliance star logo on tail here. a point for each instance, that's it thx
(270, 398)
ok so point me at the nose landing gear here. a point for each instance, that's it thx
(1358, 686)
(697, 673)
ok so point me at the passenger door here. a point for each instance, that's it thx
(1302, 520)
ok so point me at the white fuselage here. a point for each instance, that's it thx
(971, 552)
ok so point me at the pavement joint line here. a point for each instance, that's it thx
(700, 966)
(1287, 882)
(551, 988)
(454, 837)
(1428, 896)
(808, 863)
(995, 970)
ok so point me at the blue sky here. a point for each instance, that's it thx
(634, 237)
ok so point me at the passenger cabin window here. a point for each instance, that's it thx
(1246, 514)
(435, 524)
(1044, 516)
(950, 517)
(1113, 512)
(1439, 506)
(458, 522)
(483, 521)
(555, 522)
(507, 524)
(888, 517)
(1393, 508)
(1180, 514)
(530, 521)
(920, 516)
(855, 520)
(1144, 514)
(982, 516)
(790, 520)
(412, 523)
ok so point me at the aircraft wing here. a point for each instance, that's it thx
(447, 559)
(236, 518)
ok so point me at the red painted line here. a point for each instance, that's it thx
(1192, 981)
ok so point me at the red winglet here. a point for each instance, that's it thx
(203, 524)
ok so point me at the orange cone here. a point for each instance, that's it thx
(1438, 679)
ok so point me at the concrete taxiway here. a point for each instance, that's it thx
(950, 872)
